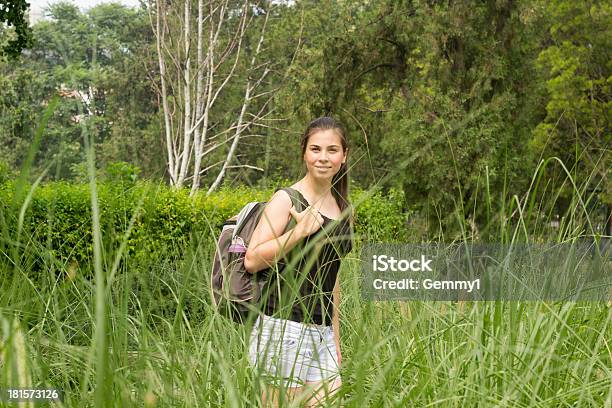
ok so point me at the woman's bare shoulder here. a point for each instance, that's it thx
(280, 200)
(273, 220)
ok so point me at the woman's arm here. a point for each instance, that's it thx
(268, 243)
(336, 318)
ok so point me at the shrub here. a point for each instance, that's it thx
(121, 172)
(59, 217)
(380, 218)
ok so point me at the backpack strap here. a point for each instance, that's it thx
(297, 201)
(296, 198)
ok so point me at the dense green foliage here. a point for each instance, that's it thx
(450, 99)
(13, 14)
(97, 63)
(58, 221)
(578, 72)
(441, 99)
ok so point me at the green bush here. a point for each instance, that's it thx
(380, 218)
(59, 218)
(171, 236)
(6, 172)
(121, 172)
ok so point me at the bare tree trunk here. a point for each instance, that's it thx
(159, 36)
(203, 112)
(232, 149)
(187, 95)
(199, 80)
(245, 104)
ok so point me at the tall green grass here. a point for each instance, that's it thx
(105, 344)
(394, 354)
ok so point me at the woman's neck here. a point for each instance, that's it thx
(318, 189)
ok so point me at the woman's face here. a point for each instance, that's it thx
(324, 154)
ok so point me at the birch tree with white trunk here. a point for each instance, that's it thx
(202, 52)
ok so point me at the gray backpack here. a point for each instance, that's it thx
(234, 291)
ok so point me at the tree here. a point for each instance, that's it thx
(577, 74)
(439, 96)
(196, 71)
(100, 63)
(13, 13)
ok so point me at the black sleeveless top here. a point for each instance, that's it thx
(300, 287)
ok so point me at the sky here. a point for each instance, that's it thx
(36, 6)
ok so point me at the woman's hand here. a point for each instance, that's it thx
(308, 221)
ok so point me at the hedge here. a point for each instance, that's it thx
(59, 219)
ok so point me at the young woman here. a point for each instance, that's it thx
(295, 342)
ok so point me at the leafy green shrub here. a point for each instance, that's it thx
(59, 217)
(6, 173)
(171, 235)
(380, 218)
(121, 172)
(79, 172)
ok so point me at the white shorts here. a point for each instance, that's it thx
(291, 353)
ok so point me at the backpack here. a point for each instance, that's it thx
(234, 291)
